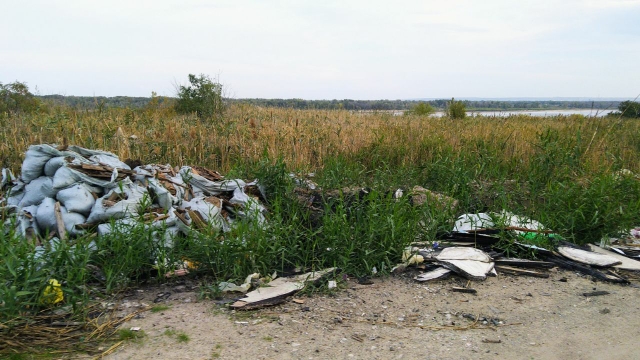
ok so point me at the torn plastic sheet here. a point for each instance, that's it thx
(468, 222)
(243, 288)
(7, 178)
(252, 207)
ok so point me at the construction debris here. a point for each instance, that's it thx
(66, 191)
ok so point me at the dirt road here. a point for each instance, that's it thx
(397, 318)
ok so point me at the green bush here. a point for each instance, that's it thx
(16, 98)
(456, 109)
(630, 109)
(421, 109)
(203, 97)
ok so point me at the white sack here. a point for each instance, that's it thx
(71, 219)
(35, 159)
(53, 165)
(37, 190)
(77, 199)
(45, 216)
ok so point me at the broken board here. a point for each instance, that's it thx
(625, 262)
(277, 290)
(471, 263)
(588, 257)
(470, 269)
(463, 253)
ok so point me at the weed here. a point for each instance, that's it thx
(182, 337)
(159, 308)
(127, 334)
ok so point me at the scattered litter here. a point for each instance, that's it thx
(231, 287)
(596, 293)
(464, 290)
(298, 301)
(491, 341)
(438, 273)
(52, 294)
(332, 284)
(276, 291)
(409, 257)
(135, 328)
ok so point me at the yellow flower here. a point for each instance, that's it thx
(52, 294)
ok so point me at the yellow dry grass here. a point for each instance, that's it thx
(306, 138)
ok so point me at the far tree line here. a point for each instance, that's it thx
(204, 97)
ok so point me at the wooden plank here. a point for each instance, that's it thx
(516, 271)
(62, 232)
(524, 263)
(464, 290)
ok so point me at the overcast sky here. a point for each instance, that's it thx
(326, 49)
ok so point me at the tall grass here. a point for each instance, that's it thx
(561, 171)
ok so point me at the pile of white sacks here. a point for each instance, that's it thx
(88, 189)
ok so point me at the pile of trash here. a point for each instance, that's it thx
(470, 251)
(66, 191)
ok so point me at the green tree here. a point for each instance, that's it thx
(630, 109)
(421, 109)
(456, 109)
(203, 96)
(16, 98)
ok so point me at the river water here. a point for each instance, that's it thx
(585, 112)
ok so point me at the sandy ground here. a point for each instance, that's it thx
(398, 318)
